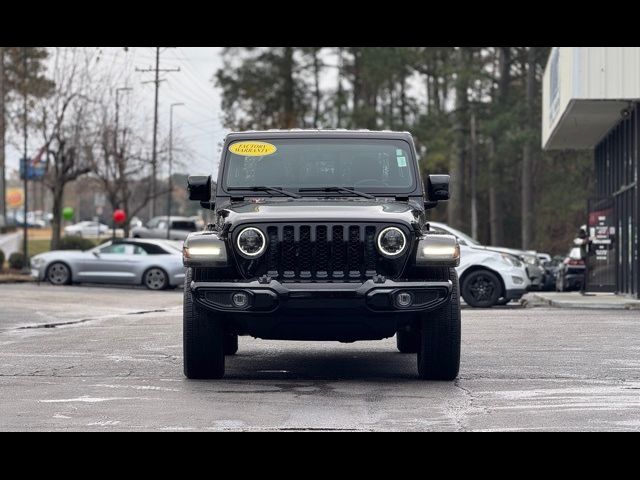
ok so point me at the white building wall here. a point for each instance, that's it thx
(594, 85)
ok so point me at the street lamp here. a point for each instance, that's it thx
(170, 167)
(25, 137)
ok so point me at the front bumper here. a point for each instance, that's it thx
(372, 296)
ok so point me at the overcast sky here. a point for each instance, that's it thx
(198, 123)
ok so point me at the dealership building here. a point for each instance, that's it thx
(591, 101)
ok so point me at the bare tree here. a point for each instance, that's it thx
(64, 120)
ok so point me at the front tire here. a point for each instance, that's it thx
(440, 338)
(481, 289)
(203, 339)
(408, 342)
(230, 344)
(58, 273)
(155, 279)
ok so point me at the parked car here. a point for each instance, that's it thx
(571, 272)
(535, 270)
(88, 229)
(157, 228)
(33, 220)
(156, 264)
(487, 278)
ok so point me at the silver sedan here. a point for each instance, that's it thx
(156, 264)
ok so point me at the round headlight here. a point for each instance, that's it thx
(251, 242)
(392, 242)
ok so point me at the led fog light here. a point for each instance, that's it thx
(404, 299)
(240, 299)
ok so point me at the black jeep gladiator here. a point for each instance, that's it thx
(321, 235)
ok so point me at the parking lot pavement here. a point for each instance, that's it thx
(110, 359)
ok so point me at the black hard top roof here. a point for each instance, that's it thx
(301, 133)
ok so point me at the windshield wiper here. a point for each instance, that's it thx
(265, 189)
(337, 189)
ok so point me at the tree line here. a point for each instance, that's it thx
(475, 112)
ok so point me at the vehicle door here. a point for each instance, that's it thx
(112, 263)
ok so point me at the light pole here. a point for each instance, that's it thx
(170, 167)
(25, 133)
(115, 141)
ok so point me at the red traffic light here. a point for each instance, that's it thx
(119, 216)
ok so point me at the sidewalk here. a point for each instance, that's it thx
(594, 301)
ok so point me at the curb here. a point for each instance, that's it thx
(586, 306)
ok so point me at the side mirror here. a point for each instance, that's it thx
(438, 188)
(199, 188)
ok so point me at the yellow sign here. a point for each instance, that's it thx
(253, 149)
(15, 197)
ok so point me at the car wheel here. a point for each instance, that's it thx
(155, 279)
(408, 342)
(230, 344)
(58, 274)
(203, 339)
(440, 337)
(481, 289)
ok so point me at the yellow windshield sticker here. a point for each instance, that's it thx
(253, 149)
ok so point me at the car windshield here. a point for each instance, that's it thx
(370, 165)
(457, 233)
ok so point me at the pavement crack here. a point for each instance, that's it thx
(144, 312)
(55, 324)
(460, 413)
(83, 320)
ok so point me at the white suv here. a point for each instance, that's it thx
(487, 278)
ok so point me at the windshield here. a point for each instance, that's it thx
(294, 164)
(457, 233)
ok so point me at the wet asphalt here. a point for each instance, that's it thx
(96, 358)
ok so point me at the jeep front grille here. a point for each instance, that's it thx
(322, 252)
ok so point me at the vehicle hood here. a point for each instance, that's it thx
(62, 255)
(322, 210)
(510, 251)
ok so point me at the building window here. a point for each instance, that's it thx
(554, 99)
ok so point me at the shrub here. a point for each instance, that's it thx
(2, 258)
(17, 261)
(76, 243)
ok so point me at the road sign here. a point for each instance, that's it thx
(15, 198)
(34, 171)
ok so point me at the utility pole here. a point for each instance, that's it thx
(115, 141)
(154, 154)
(170, 167)
(25, 132)
(3, 187)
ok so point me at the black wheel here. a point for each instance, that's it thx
(230, 344)
(203, 339)
(440, 335)
(408, 342)
(58, 273)
(481, 289)
(155, 279)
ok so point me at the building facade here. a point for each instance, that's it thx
(591, 100)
